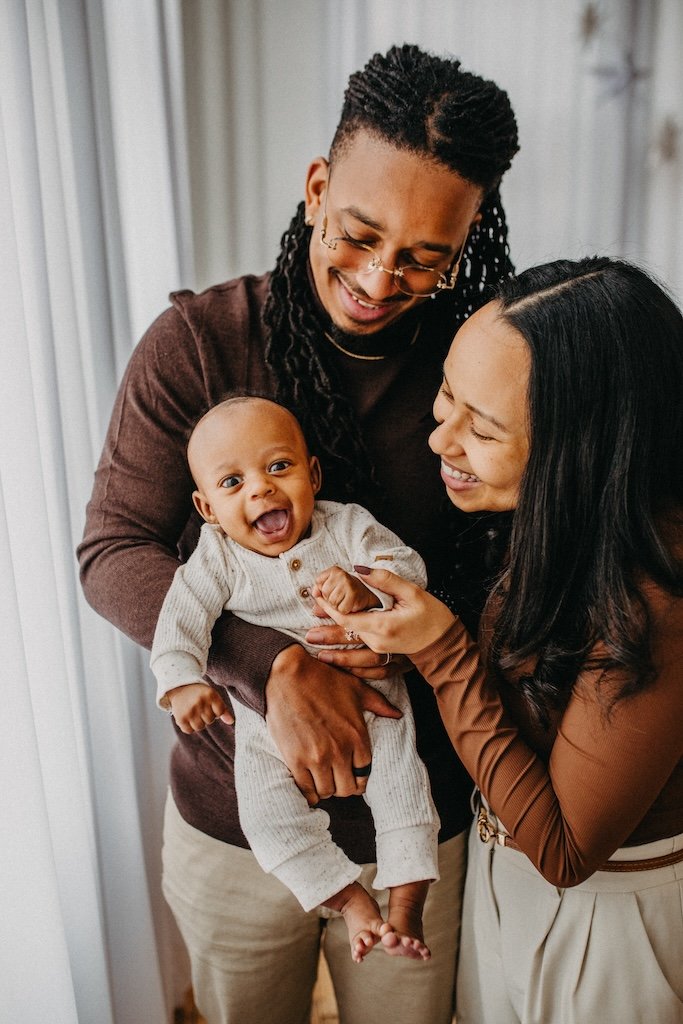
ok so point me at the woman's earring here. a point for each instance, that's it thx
(309, 220)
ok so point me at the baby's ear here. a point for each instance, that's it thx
(203, 507)
(316, 474)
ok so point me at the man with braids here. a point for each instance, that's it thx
(399, 239)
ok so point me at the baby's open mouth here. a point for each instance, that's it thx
(272, 522)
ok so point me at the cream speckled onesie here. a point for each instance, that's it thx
(287, 837)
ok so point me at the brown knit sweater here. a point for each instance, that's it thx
(140, 520)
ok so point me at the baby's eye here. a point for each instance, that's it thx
(277, 467)
(230, 481)
(445, 390)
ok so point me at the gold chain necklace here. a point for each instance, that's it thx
(356, 355)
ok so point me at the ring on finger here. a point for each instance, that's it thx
(363, 772)
(351, 636)
(387, 658)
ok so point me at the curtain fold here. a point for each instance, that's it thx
(93, 222)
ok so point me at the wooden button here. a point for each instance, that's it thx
(305, 592)
(295, 564)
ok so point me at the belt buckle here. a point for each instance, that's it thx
(485, 827)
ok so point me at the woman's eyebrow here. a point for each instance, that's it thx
(488, 417)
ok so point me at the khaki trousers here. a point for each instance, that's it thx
(254, 951)
(607, 951)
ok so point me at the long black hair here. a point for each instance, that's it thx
(601, 500)
(428, 105)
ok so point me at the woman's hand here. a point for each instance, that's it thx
(357, 661)
(416, 620)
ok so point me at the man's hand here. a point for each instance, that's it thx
(315, 716)
(197, 705)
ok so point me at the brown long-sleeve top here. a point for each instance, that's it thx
(571, 795)
(140, 521)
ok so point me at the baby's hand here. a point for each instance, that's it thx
(195, 706)
(346, 593)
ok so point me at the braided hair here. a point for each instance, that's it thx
(427, 105)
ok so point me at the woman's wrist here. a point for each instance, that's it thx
(454, 634)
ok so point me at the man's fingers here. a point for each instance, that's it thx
(323, 783)
(304, 782)
(373, 701)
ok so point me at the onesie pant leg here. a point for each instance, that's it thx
(287, 837)
(399, 795)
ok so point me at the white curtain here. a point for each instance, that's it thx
(93, 226)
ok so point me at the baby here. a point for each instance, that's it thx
(266, 546)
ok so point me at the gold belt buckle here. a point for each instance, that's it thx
(485, 827)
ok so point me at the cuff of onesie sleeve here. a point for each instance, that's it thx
(313, 881)
(176, 668)
(407, 855)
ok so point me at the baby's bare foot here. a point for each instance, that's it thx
(366, 939)
(402, 935)
(397, 943)
(362, 917)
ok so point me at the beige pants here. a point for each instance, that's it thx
(608, 951)
(254, 951)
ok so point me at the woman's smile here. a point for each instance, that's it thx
(455, 478)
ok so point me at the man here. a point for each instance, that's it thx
(399, 237)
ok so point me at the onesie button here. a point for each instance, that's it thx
(305, 592)
(295, 564)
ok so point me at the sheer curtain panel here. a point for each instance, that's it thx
(92, 229)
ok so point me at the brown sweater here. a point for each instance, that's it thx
(140, 518)
(590, 784)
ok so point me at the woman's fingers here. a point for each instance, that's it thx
(415, 620)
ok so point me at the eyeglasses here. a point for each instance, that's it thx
(410, 278)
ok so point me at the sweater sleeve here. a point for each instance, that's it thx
(141, 505)
(605, 769)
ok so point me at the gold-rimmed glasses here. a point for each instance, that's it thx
(410, 278)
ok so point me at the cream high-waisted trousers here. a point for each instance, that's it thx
(254, 951)
(608, 951)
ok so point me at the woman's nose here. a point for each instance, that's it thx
(445, 439)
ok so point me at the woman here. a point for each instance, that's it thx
(562, 400)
